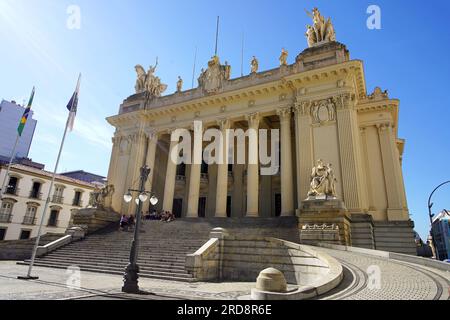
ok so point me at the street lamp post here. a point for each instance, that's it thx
(430, 205)
(132, 270)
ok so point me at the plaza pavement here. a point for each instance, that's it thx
(396, 281)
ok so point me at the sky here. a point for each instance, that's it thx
(39, 46)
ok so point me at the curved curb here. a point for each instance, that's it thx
(325, 284)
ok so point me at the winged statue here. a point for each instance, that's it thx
(148, 82)
(321, 30)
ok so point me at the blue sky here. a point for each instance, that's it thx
(408, 56)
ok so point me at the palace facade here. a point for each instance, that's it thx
(323, 110)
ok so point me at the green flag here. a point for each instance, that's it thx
(24, 118)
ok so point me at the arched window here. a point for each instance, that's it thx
(30, 215)
(6, 210)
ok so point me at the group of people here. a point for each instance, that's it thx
(127, 222)
(165, 216)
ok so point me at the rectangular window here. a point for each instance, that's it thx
(29, 218)
(77, 199)
(36, 191)
(53, 220)
(12, 186)
(25, 234)
(2, 234)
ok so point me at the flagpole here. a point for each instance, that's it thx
(2, 191)
(47, 202)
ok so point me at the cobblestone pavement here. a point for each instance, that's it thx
(373, 278)
(366, 278)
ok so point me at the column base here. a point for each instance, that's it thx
(252, 215)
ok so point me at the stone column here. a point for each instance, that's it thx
(350, 153)
(137, 161)
(287, 175)
(303, 140)
(253, 166)
(392, 176)
(113, 169)
(152, 137)
(195, 175)
(171, 171)
(222, 172)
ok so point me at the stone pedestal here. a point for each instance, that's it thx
(324, 214)
(94, 219)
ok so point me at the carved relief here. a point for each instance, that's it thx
(323, 111)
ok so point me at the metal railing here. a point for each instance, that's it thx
(5, 217)
(29, 221)
(12, 191)
(58, 199)
(35, 195)
(52, 223)
(77, 203)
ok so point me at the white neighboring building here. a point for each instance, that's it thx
(10, 115)
(22, 204)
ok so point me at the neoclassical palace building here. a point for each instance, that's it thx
(322, 109)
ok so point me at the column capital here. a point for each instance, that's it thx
(152, 134)
(302, 108)
(383, 126)
(284, 113)
(344, 101)
(224, 124)
(253, 120)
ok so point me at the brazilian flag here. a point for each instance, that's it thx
(24, 118)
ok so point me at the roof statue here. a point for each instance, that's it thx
(254, 65)
(321, 31)
(212, 78)
(148, 82)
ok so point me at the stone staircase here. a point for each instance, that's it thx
(163, 246)
(22, 249)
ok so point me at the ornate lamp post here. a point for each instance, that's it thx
(132, 270)
(430, 205)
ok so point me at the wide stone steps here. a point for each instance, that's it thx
(116, 266)
(162, 247)
(146, 260)
(144, 273)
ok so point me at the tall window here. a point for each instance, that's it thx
(77, 199)
(6, 211)
(12, 186)
(2, 234)
(58, 195)
(36, 191)
(53, 219)
(30, 215)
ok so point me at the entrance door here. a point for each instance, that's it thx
(202, 207)
(229, 207)
(277, 205)
(177, 207)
